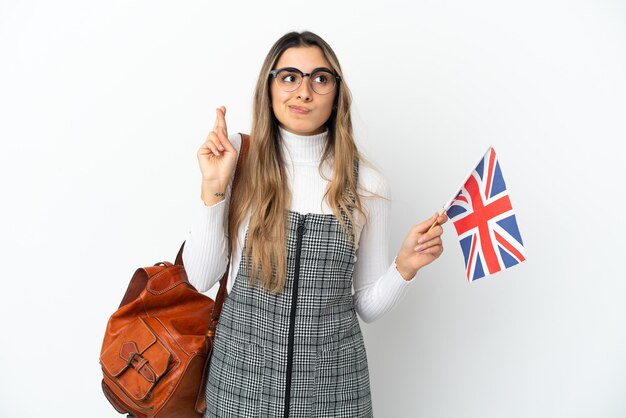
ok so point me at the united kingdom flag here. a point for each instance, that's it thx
(485, 222)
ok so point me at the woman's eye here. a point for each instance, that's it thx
(320, 78)
(289, 78)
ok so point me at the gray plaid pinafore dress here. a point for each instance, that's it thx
(299, 353)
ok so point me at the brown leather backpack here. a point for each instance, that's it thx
(157, 346)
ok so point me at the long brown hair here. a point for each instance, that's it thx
(263, 189)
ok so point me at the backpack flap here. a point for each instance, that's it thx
(136, 360)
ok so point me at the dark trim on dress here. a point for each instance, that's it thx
(292, 316)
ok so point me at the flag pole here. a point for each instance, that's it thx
(435, 223)
(443, 210)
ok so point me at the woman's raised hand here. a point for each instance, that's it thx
(217, 158)
(421, 246)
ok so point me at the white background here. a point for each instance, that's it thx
(104, 104)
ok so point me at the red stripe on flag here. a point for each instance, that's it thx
(492, 159)
(509, 247)
(471, 257)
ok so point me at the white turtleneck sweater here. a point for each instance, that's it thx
(377, 284)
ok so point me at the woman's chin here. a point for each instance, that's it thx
(303, 129)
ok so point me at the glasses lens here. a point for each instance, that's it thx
(323, 82)
(288, 80)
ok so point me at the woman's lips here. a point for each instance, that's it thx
(300, 110)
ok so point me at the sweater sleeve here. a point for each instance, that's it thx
(205, 254)
(378, 286)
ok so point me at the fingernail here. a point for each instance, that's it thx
(418, 248)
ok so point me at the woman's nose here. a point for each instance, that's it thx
(305, 92)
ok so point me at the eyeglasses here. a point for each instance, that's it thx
(322, 80)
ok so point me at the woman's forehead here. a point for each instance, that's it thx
(304, 58)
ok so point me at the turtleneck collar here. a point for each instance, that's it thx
(303, 148)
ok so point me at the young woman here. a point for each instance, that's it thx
(308, 226)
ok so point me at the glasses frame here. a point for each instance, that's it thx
(274, 73)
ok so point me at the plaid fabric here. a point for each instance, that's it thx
(330, 378)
